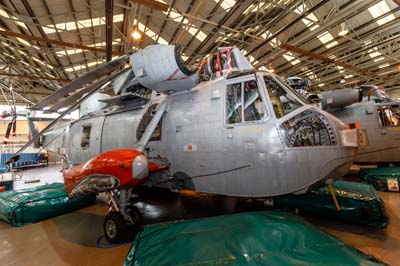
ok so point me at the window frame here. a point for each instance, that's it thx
(84, 126)
(289, 90)
(378, 110)
(152, 108)
(242, 80)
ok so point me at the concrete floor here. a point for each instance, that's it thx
(70, 239)
(35, 176)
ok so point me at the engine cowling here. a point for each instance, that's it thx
(122, 168)
(161, 68)
(340, 98)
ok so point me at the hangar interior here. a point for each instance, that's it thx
(341, 57)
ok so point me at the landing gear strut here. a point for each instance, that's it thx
(124, 220)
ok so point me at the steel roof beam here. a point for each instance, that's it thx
(152, 4)
(32, 14)
(342, 46)
(31, 77)
(55, 42)
(286, 27)
(344, 13)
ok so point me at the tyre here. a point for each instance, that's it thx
(115, 228)
(182, 181)
(136, 216)
(134, 227)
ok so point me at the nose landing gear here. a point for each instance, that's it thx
(124, 220)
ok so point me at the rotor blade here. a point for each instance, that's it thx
(23, 98)
(71, 99)
(82, 80)
(14, 127)
(4, 95)
(13, 107)
(37, 136)
(8, 131)
(109, 8)
(45, 119)
(16, 93)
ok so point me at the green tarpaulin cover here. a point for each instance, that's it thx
(258, 238)
(31, 205)
(382, 178)
(359, 203)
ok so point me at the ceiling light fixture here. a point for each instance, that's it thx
(136, 34)
(271, 68)
(343, 29)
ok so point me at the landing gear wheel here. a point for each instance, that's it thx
(182, 181)
(136, 216)
(115, 228)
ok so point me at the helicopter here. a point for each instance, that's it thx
(221, 128)
(368, 107)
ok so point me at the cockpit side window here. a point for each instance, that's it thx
(283, 103)
(254, 109)
(234, 103)
(389, 116)
(146, 119)
(244, 103)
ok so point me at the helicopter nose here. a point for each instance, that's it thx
(320, 140)
(349, 137)
(312, 127)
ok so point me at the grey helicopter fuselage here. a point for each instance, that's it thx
(383, 136)
(265, 156)
(221, 128)
(367, 107)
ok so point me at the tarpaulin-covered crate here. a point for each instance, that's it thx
(359, 203)
(258, 238)
(382, 178)
(31, 205)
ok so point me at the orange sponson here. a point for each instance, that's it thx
(117, 163)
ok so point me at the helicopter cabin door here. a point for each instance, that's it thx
(250, 139)
(245, 115)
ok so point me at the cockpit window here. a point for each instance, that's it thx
(234, 103)
(294, 91)
(253, 106)
(282, 101)
(244, 103)
(389, 116)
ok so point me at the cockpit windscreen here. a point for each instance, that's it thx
(281, 97)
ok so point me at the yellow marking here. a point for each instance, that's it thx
(392, 128)
(192, 193)
(277, 103)
(250, 128)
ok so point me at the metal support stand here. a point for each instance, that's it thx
(332, 191)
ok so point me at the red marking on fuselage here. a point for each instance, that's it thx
(173, 74)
